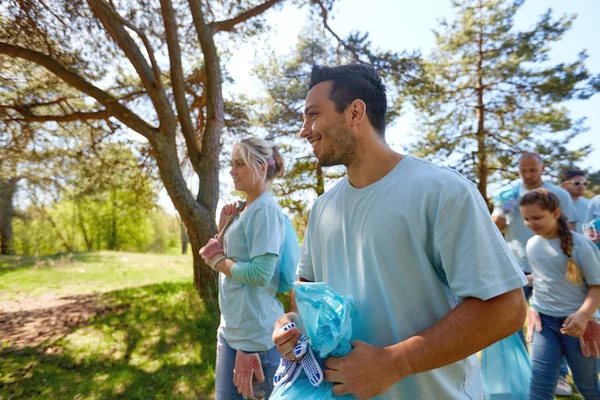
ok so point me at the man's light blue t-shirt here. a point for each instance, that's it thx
(516, 233)
(593, 210)
(409, 248)
(554, 295)
(581, 205)
(248, 313)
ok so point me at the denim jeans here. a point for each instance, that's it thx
(547, 350)
(224, 387)
(564, 370)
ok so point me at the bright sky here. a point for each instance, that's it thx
(406, 25)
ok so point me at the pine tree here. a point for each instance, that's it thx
(489, 92)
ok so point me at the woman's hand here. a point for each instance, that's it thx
(575, 324)
(212, 253)
(227, 211)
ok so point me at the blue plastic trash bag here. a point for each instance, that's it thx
(593, 227)
(326, 321)
(507, 198)
(506, 369)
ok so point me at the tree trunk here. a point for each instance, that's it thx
(320, 180)
(185, 239)
(7, 212)
(482, 167)
(112, 243)
(88, 241)
(197, 218)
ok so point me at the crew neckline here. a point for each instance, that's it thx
(369, 188)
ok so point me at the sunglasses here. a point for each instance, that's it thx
(580, 183)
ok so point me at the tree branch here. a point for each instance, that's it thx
(145, 41)
(178, 83)
(324, 15)
(116, 30)
(230, 24)
(209, 190)
(28, 116)
(122, 113)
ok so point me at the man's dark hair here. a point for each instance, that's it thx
(571, 173)
(352, 82)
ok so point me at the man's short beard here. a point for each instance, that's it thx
(345, 152)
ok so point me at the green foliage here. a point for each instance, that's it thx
(489, 93)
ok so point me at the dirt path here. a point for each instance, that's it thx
(31, 321)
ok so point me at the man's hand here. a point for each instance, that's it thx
(590, 341)
(246, 366)
(575, 325)
(533, 322)
(286, 340)
(367, 371)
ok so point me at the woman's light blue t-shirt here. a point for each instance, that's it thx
(409, 248)
(248, 313)
(553, 294)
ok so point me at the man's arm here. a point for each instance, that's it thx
(500, 222)
(474, 325)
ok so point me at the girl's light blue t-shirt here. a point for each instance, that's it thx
(248, 313)
(408, 249)
(553, 294)
(517, 234)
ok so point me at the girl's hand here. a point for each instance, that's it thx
(226, 212)
(533, 322)
(575, 325)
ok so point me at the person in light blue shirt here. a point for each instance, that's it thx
(249, 263)
(591, 221)
(574, 182)
(432, 279)
(566, 267)
(507, 214)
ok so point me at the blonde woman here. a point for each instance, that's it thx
(248, 262)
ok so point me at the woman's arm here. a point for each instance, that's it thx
(257, 272)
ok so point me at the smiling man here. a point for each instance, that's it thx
(432, 279)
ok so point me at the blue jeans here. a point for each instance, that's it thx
(224, 387)
(547, 349)
(564, 370)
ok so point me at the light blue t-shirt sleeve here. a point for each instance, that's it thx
(593, 210)
(588, 260)
(264, 231)
(305, 268)
(257, 272)
(474, 257)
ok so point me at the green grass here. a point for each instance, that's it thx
(88, 272)
(156, 340)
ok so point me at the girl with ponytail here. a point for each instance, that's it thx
(566, 270)
(247, 254)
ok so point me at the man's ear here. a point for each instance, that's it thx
(358, 112)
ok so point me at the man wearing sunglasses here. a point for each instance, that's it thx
(574, 182)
